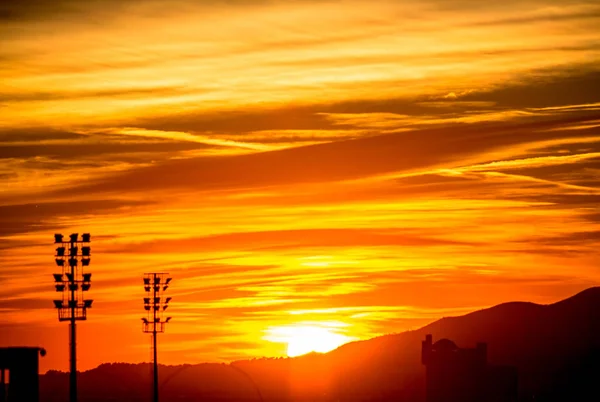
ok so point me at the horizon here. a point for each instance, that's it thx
(287, 356)
(309, 173)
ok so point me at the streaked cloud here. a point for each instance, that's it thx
(358, 168)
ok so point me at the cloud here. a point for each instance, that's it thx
(377, 164)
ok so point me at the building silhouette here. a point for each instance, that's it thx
(456, 374)
(19, 374)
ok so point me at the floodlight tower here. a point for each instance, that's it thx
(72, 282)
(155, 285)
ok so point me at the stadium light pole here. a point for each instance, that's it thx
(155, 285)
(72, 282)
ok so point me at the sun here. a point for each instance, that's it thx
(303, 339)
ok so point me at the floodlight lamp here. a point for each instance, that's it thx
(58, 238)
(157, 300)
(145, 320)
(73, 286)
(168, 280)
(60, 262)
(87, 303)
(147, 307)
(72, 303)
(58, 303)
(168, 319)
(85, 262)
(73, 262)
(85, 251)
(165, 307)
(86, 238)
(59, 287)
(168, 300)
(146, 300)
(74, 237)
(73, 251)
(69, 276)
(165, 287)
(60, 252)
(157, 287)
(58, 277)
(156, 307)
(157, 279)
(147, 288)
(157, 319)
(87, 277)
(85, 287)
(146, 281)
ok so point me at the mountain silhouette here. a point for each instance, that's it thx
(555, 347)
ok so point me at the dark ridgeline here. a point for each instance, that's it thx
(555, 348)
(19, 374)
(463, 374)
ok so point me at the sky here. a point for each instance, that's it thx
(304, 170)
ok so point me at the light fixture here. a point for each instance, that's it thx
(72, 307)
(155, 284)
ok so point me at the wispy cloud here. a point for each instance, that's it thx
(363, 167)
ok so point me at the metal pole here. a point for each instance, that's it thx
(154, 339)
(73, 375)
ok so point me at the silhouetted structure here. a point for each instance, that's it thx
(155, 284)
(463, 374)
(72, 282)
(19, 374)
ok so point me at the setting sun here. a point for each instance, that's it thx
(302, 339)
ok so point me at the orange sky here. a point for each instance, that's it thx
(348, 168)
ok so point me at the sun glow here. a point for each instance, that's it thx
(302, 339)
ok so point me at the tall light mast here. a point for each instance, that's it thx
(155, 285)
(72, 256)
